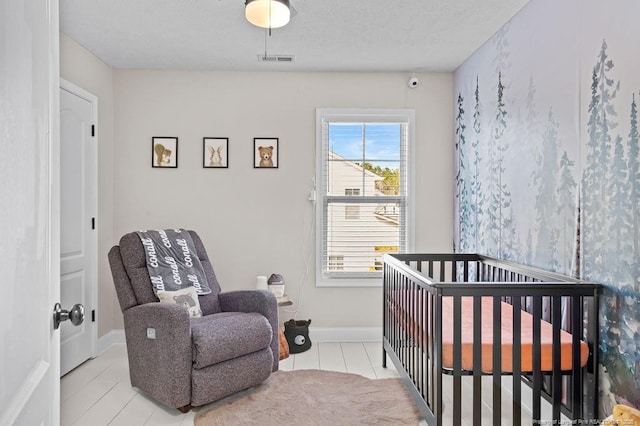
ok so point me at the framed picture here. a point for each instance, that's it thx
(265, 153)
(215, 153)
(164, 152)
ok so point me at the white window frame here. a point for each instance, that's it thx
(358, 115)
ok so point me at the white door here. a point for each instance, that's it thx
(29, 212)
(78, 242)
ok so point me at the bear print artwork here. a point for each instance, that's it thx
(265, 153)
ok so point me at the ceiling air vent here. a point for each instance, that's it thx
(275, 58)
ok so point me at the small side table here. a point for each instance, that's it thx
(284, 345)
(284, 301)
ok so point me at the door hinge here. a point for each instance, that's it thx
(93, 130)
(93, 315)
(93, 223)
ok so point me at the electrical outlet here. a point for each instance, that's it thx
(151, 333)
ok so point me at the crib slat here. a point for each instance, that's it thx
(414, 333)
(517, 350)
(477, 360)
(409, 346)
(431, 351)
(497, 361)
(537, 374)
(405, 334)
(465, 274)
(593, 334)
(556, 313)
(385, 316)
(576, 377)
(423, 343)
(457, 360)
(438, 355)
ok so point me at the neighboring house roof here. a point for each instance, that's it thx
(334, 156)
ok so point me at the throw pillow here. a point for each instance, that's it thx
(187, 297)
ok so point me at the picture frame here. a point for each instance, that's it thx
(265, 153)
(215, 153)
(164, 152)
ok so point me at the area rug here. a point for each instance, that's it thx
(314, 397)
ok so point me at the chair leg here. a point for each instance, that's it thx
(185, 409)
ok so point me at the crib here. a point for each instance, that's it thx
(456, 325)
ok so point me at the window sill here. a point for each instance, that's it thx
(349, 282)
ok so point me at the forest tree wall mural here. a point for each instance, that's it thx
(548, 160)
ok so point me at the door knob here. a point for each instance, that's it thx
(76, 315)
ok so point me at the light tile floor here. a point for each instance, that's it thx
(99, 392)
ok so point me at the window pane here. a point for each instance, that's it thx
(360, 243)
(382, 141)
(347, 140)
(345, 175)
(382, 178)
(366, 156)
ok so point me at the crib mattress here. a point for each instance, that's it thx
(526, 338)
(507, 332)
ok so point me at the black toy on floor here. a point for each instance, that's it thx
(297, 334)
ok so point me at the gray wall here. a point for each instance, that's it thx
(256, 221)
(253, 222)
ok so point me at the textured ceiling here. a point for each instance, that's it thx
(324, 35)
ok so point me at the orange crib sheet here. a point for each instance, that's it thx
(526, 336)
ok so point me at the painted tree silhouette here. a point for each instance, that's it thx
(495, 174)
(462, 191)
(597, 171)
(618, 245)
(530, 139)
(500, 218)
(567, 213)
(634, 198)
(477, 194)
(545, 179)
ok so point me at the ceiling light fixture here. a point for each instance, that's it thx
(267, 13)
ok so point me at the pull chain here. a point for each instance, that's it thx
(270, 3)
(265, 32)
(265, 45)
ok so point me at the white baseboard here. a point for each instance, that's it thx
(316, 334)
(345, 334)
(111, 338)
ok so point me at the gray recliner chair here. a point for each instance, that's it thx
(193, 361)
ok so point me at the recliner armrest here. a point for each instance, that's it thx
(160, 366)
(259, 301)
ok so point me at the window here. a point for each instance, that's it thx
(363, 192)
